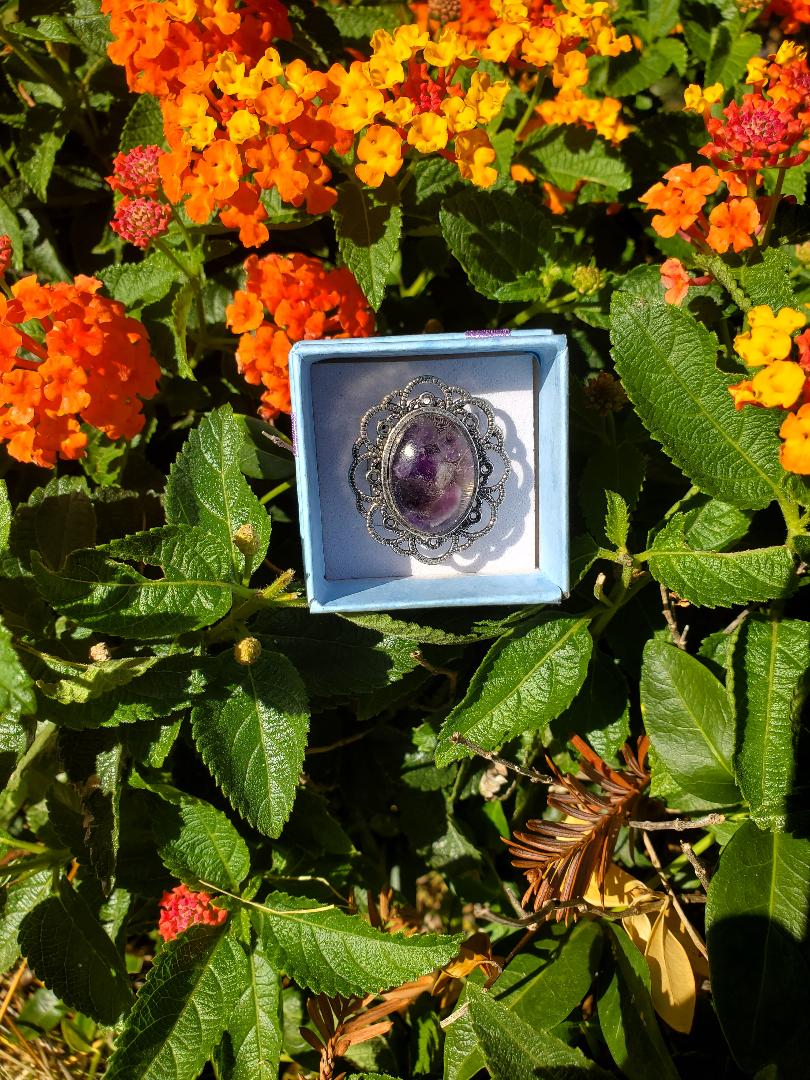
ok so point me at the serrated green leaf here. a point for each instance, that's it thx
(5, 514)
(69, 682)
(16, 735)
(206, 488)
(181, 309)
(138, 284)
(108, 595)
(515, 1051)
(357, 22)
(502, 242)
(730, 55)
(688, 716)
(16, 688)
(368, 224)
(330, 952)
(617, 519)
(251, 731)
(714, 525)
(182, 1009)
(333, 657)
(39, 142)
(69, 951)
(255, 1030)
(667, 364)
(143, 125)
(568, 155)
(94, 763)
(198, 843)
(441, 627)
(756, 921)
(600, 712)
(527, 679)
(21, 896)
(719, 578)
(618, 467)
(771, 660)
(627, 1017)
(541, 988)
(768, 281)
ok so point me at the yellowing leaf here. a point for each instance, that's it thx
(672, 978)
(623, 890)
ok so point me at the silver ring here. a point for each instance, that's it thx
(429, 470)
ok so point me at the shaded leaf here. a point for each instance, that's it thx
(368, 223)
(198, 843)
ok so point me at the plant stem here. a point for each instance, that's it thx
(276, 491)
(777, 194)
(527, 115)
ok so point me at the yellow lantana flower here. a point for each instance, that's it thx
(795, 452)
(768, 337)
(428, 132)
(778, 385)
(242, 126)
(697, 100)
(474, 157)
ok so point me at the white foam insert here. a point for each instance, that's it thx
(343, 390)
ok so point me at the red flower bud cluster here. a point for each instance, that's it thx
(182, 908)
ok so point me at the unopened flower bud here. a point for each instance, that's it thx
(99, 652)
(605, 394)
(246, 540)
(444, 11)
(247, 651)
(802, 252)
(587, 279)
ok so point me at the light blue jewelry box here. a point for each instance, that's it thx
(524, 375)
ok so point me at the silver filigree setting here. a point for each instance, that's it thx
(370, 474)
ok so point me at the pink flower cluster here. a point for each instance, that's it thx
(139, 218)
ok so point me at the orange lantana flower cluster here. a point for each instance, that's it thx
(69, 355)
(770, 129)
(782, 380)
(290, 298)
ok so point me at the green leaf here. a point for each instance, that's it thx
(69, 951)
(206, 488)
(79, 683)
(688, 716)
(719, 578)
(618, 467)
(541, 988)
(198, 843)
(771, 660)
(254, 1029)
(666, 361)
(357, 22)
(21, 896)
(330, 952)
(627, 1017)
(94, 763)
(617, 519)
(527, 679)
(368, 223)
(182, 1009)
(181, 309)
(138, 284)
(756, 920)
(637, 71)
(502, 242)
(39, 142)
(714, 525)
(600, 712)
(513, 1050)
(568, 155)
(108, 595)
(16, 689)
(730, 55)
(5, 515)
(16, 735)
(251, 731)
(57, 519)
(333, 657)
(144, 124)
(768, 281)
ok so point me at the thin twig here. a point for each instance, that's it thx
(531, 773)
(349, 739)
(457, 1015)
(12, 989)
(693, 934)
(678, 638)
(679, 824)
(451, 676)
(732, 626)
(697, 865)
(582, 907)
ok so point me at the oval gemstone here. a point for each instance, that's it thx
(432, 474)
